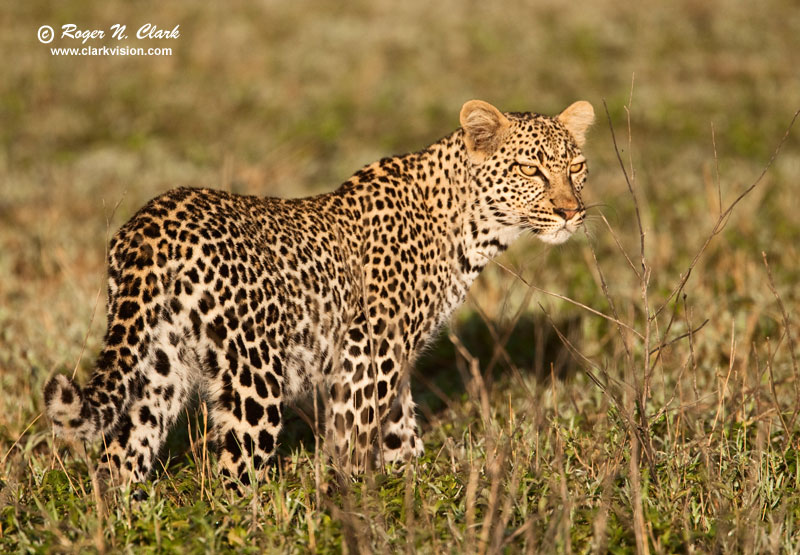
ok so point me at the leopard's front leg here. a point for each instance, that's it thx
(399, 429)
(368, 395)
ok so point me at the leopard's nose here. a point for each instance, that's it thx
(566, 213)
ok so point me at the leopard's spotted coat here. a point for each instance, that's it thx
(256, 300)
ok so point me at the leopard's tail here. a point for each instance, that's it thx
(72, 415)
(137, 274)
(86, 413)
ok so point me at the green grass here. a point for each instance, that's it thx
(690, 448)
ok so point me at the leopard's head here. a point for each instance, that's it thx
(528, 168)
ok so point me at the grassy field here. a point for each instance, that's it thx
(634, 390)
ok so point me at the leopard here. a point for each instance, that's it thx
(255, 302)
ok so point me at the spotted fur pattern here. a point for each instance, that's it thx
(257, 301)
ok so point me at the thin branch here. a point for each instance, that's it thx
(788, 332)
(628, 181)
(609, 300)
(28, 427)
(101, 287)
(723, 217)
(567, 299)
(716, 167)
(681, 336)
(619, 246)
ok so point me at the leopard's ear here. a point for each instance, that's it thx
(485, 128)
(577, 118)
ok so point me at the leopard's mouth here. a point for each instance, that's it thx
(559, 234)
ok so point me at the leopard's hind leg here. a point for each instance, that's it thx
(143, 374)
(245, 395)
(169, 383)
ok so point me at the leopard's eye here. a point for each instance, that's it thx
(577, 167)
(529, 170)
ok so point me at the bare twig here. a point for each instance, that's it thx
(586, 360)
(628, 179)
(620, 247)
(565, 298)
(102, 284)
(788, 332)
(28, 427)
(716, 168)
(643, 388)
(663, 346)
(786, 427)
(604, 287)
(723, 217)
(471, 494)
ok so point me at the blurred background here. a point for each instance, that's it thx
(290, 98)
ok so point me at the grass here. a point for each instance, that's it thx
(687, 441)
